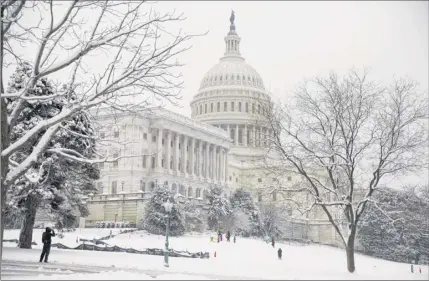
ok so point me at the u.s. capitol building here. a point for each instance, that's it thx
(223, 143)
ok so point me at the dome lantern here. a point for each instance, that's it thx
(232, 40)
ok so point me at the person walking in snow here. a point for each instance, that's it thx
(228, 236)
(234, 238)
(46, 240)
(273, 243)
(279, 253)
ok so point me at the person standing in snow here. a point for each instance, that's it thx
(228, 236)
(273, 243)
(234, 238)
(279, 253)
(46, 240)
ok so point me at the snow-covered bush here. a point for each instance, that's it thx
(395, 226)
(219, 207)
(155, 217)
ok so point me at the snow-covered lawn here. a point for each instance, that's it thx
(248, 258)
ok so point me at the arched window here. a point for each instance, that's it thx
(182, 190)
(201, 109)
(152, 186)
(232, 106)
(198, 193)
(189, 191)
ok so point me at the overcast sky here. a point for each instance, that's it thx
(287, 41)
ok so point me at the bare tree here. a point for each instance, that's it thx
(341, 137)
(136, 58)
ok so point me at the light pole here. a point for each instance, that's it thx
(168, 207)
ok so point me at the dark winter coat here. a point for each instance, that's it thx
(47, 236)
(279, 253)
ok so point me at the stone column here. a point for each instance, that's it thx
(220, 173)
(159, 150)
(193, 157)
(213, 160)
(207, 161)
(226, 166)
(185, 154)
(216, 158)
(168, 153)
(177, 154)
(149, 148)
(254, 136)
(236, 135)
(200, 157)
(245, 135)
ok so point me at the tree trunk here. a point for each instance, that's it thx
(26, 234)
(350, 251)
(4, 141)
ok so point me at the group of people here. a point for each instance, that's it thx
(220, 236)
(279, 251)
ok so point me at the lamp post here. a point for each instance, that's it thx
(168, 207)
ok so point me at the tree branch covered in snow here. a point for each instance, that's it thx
(339, 137)
(137, 60)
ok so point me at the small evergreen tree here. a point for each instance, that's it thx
(395, 226)
(219, 208)
(155, 218)
(53, 181)
(243, 206)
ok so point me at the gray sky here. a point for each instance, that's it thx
(287, 41)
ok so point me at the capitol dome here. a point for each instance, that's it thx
(232, 96)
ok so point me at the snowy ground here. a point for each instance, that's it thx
(247, 259)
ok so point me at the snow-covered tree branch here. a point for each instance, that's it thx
(341, 136)
(135, 49)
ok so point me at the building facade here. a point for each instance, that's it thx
(225, 142)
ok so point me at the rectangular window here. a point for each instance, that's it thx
(253, 108)
(116, 134)
(259, 197)
(153, 162)
(232, 106)
(259, 109)
(239, 106)
(153, 138)
(218, 107)
(225, 106)
(142, 185)
(115, 164)
(144, 161)
(211, 107)
(114, 187)
(205, 108)
(145, 136)
(247, 107)
(259, 180)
